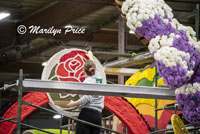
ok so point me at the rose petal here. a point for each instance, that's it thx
(61, 71)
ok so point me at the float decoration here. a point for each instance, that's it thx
(67, 65)
(173, 46)
(146, 107)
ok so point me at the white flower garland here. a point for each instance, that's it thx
(137, 11)
(188, 89)
(160, 41)
(171, 56)
(191, 34)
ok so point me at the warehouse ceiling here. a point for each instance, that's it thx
(100, 18)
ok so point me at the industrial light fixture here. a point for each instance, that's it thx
(57, 116)
(4, 15)
(131, 32)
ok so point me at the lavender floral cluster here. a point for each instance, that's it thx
(173, 46)
(188, 98)
(153, 27)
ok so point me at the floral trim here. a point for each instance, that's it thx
(141, 74)
(188, 98)
(137, 11)
(161, 82)
(137, 101)
(188, 89)
(147, 73)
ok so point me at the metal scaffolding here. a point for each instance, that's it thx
(98, 89)
(82, 88)
(21, 84)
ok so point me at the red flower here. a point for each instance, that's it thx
(70, 67)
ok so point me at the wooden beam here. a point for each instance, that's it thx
(39, 10)
(120, 71)
(102, 36)
(113, 54)
(121, 43)
(26, 50)
(59, 15)
(138, 59)
(103, 19)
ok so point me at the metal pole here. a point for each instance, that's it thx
(197, 36)
(197, 22)
(78, 120)
(73, 128)
(156, 123)
(68, 128)
(110, 125)
(112, 54)
(19, 101)
(8, 119)
(159, 131)
(0, 99)
(122, 128)
(61, 124)
(105, 123)
(175, 109)
(29, 126)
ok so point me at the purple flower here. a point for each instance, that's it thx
(190, 107)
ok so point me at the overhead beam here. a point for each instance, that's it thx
(13, 4)
(184, 1)
(89, 2)
(120, 71)
(190, 14)
(112, 54)
(23, 51)
(100, 47)
(102, 20)
(39, 10)
(138, 59)
(182, 7)
(98, 89)
(16, 75)
(102, 36)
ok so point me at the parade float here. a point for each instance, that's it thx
(174, 48)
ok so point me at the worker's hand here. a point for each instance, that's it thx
(72, 104)
(90, 55)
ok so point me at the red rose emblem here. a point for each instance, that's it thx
(70, 67)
